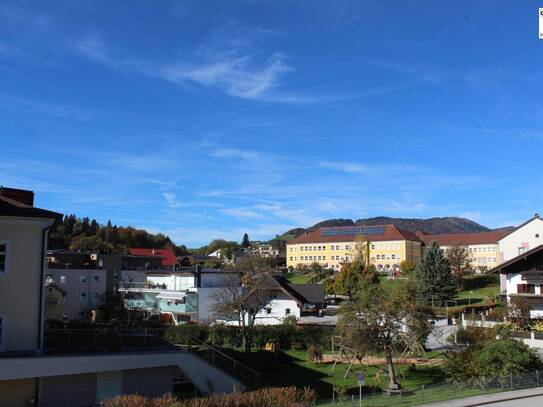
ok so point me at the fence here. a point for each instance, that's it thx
(437, 392)
(104, 340)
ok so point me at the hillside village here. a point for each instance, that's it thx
(102, 301)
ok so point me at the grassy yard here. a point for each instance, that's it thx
(481, 293)
(298, 278)
(291, 368)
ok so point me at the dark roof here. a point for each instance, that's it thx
(10, 207)
(390, 232)
(301, 293)
(523, 262)
(464, 238)
(313, 293)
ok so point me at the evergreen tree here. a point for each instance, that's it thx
(435, 278)
(245, 242)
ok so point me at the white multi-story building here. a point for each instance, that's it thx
(184, 295)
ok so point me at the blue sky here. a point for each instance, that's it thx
(208, 119)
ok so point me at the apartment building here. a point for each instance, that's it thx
(38, 370)
(83, 282)
(184, 295)
(483, 247)
(387, 246)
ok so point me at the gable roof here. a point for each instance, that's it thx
(167, 256)
(56, 287)
(524, 258)
(301, 293)
(536, 216)
(390, 232)
(11, 207)
(491, 237)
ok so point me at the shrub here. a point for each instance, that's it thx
(135, 400)
(185, 333)
(314, 354)
(266, 397)
(475, 281)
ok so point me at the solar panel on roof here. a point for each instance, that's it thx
(353, 231)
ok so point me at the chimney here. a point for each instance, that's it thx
(20, 195)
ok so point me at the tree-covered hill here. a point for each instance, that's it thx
(74, 233)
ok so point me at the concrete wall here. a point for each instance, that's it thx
(527, 237)
(20, 287)
(74, 304)
(83, 390)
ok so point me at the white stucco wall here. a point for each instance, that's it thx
(20, 286)
(278, 307)
(528, 237)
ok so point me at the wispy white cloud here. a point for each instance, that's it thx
(422, 74)
(241, 213)
(235, 72)
(58, 111)
(352, 168)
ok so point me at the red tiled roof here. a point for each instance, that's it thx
(167, 255)
(465, 238)
(391, 232)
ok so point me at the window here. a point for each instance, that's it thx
(526, 288)
(393, 256)
(290, 258)
(82, 296)
(94, 296)
(83, 279)
(324, 257)
(268, 311)
(521, 250)
(287, 311)
(96, 279)
(378, 257)
(62, 279)
(82, 314)
(372, 247)
(537, 235)
(4, 257)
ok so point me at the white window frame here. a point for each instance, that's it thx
(7, 266)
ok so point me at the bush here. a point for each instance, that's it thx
(135, 400)
(314, 354)
(187, 332)
(475, 281)
(276, 397)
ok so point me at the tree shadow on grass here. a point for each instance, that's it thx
(282, 370)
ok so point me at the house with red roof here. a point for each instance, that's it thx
(167, 256)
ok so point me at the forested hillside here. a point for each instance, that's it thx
(75, 233)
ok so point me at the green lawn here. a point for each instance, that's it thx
(291, 368)
(298, 278)
(481, 293)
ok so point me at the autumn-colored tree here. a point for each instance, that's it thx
(458, 256)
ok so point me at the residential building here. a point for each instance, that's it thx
(290, 300)
(83, 283)
(180, 296)
(483, 247)
(386, 246)
(55, 298)
(521, 239)
(36, 369)
(522, 277)
(167, 257)
(127, 267)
